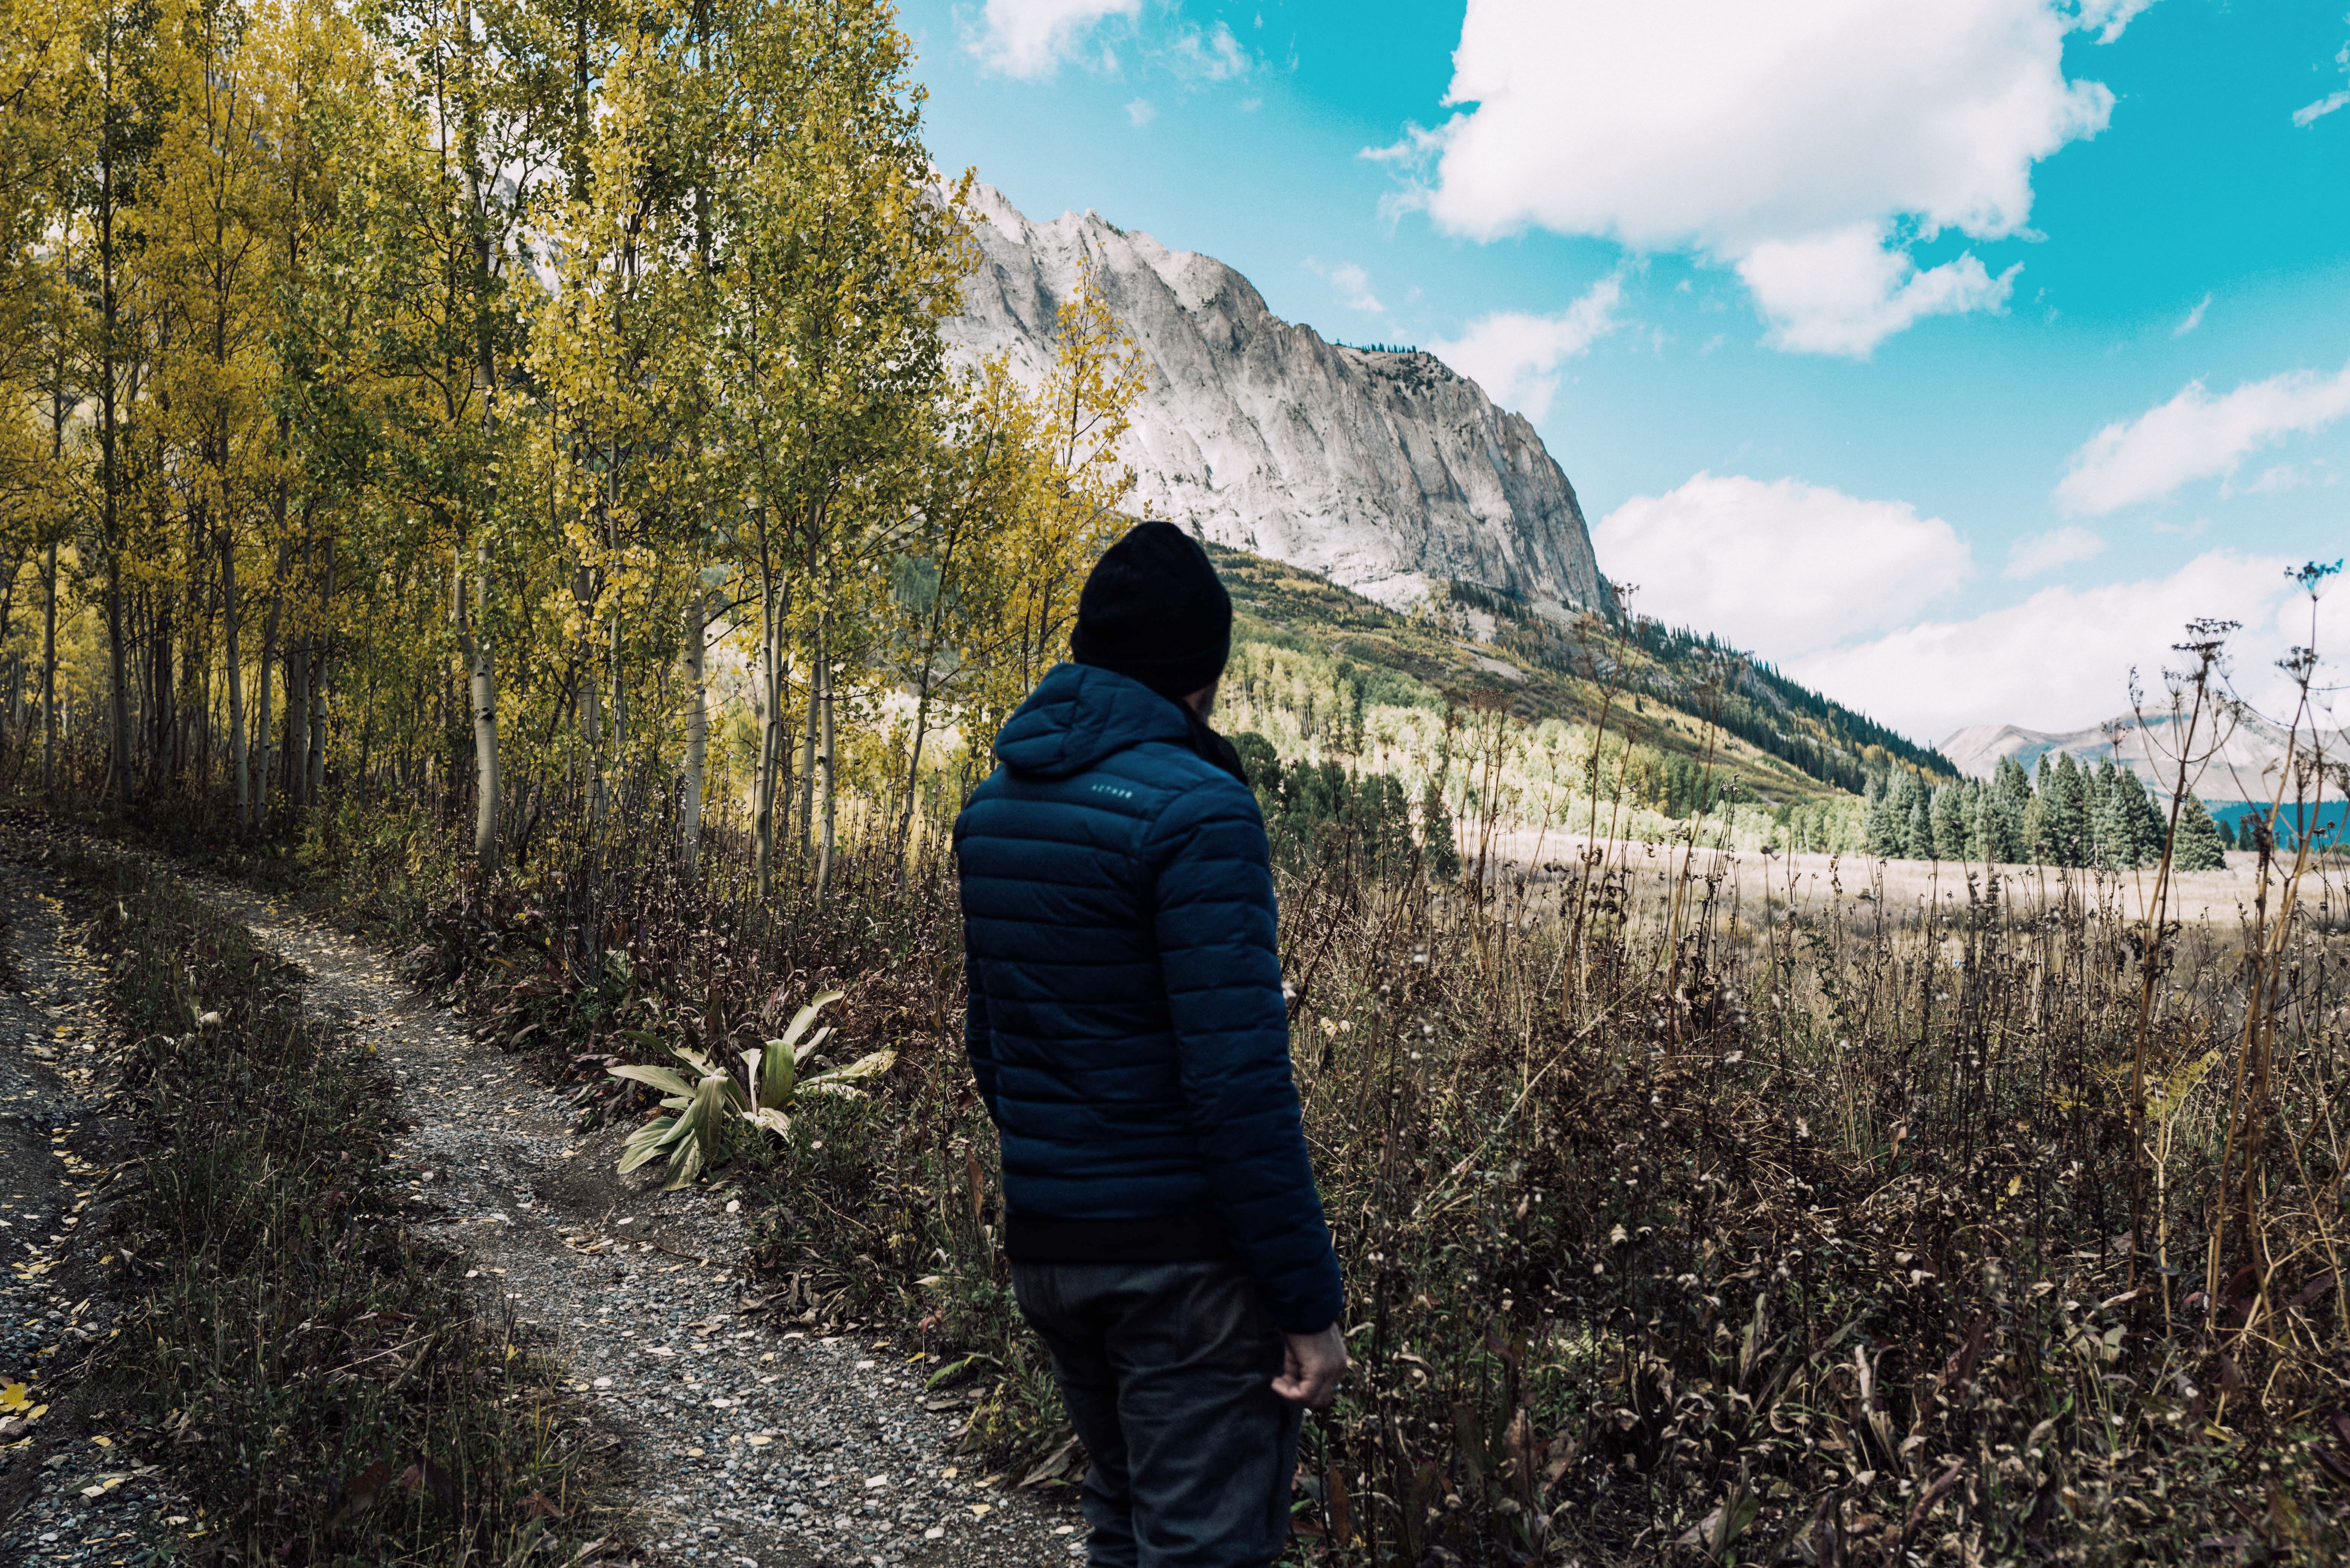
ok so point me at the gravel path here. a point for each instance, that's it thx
(754, 1442)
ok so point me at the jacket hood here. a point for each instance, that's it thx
(1077, 715)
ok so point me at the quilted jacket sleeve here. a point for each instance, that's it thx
(1215, 926)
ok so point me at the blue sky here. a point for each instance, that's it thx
(1950, 357)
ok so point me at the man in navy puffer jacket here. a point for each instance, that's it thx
(1128, 1031)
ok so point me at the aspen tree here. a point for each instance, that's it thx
(1064, 509)
(493, 101)
(835, 261)
(45, 128)
(205, 227)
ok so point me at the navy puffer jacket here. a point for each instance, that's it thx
(1126, 1020)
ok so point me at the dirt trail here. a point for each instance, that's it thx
(756, 1444)
(68, 1494)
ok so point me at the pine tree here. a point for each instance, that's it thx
(2201, 843)
(1440, 852)
(2142, 822)
(1995, 824)
(1881, 829)
(2064, 835)
(1918, 843)
(1980, 804)
(2012, 786)
(2104, 844)
(1949, 816)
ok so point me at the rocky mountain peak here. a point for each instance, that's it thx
(1387, 472)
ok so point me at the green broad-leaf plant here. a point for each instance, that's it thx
(695, 1112)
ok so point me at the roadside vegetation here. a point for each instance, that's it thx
(304, 1364)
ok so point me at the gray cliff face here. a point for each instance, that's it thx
(1384, 472)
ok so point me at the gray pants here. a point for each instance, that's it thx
(1166, 1370)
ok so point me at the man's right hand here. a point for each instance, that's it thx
(1312, 1368)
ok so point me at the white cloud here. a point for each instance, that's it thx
(1782, 568)
(2309, 114)
(1214, 55)
(1032, 37)
(2046, 552)
(1352, 284)
(1779, 135)
(1516, 357)
(1140, 112)
(1846, 293)
(2196, 436)
(2058, 661)
(2109, 16)
(2194, 317)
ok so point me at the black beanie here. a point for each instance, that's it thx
(1154, 612)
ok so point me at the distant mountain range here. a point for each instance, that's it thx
(1384, 472)
(2243, 770)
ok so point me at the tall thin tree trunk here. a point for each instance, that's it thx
(109, 439)
(773, 693)
(807, 758)
(613, 652)
(8, 575)
(321, 647)
(824, 676)
(913, 776)
(297, 723)
(263, 733)
(162, 754)
(297, 695)
(592, 696)
(697, 729)
(233, 667)
(481, 673)
(119, 677)
(50, 672)
(613, 646)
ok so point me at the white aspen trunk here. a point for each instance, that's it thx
(233, 666)
(297, 724)
(813, 526)
(49, 597)
(592, 696)
(475, 643)
(807, 762)
(262, 731)
(319, 649)
(298, 704)
(824, 677)
(613, 652)
(771, 737)
(697, 730)
(49, 672)
(613, 646)
(913, 775)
